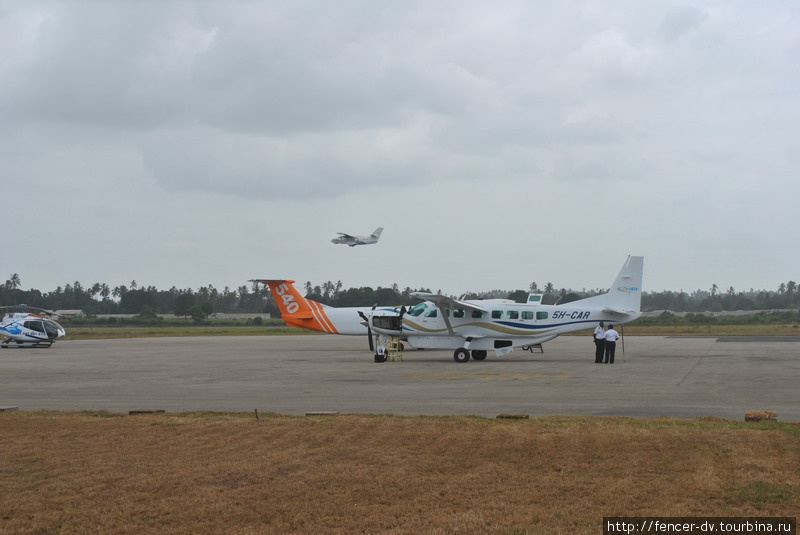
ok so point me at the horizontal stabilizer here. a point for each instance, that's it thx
(615, 311)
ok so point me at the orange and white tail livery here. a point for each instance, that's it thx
(297, 311)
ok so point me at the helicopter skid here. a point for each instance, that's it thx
(11, 344)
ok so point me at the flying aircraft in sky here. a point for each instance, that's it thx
(297, 311)
(476, 326)
(352, 241)
(23, 329)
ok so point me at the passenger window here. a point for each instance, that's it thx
(432, 314)
(477, 314)
(527, 315)
(512, 315)
(497, 314)
(541, 315)
(458, 313)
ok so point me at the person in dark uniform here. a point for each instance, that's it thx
(611, 344)
(599, 343)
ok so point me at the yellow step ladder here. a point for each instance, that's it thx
(394, 349)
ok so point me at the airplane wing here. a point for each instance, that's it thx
(442, 301)
(346, 236)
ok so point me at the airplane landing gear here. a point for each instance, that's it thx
(461, 355)
(479, 355)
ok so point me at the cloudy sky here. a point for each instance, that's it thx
(499, 143)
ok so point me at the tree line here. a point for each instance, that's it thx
(100, 298)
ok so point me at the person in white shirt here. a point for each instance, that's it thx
(611, 344)
(599, 343)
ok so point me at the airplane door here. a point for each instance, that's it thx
(430, 318)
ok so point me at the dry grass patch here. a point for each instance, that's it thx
(230, 474)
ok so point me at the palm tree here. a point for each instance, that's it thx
(15, 282)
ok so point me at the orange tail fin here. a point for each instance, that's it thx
(296, 310)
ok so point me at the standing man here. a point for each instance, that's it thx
(611, 344)
(599, 343)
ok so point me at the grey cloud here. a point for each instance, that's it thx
(680, 20)
(304, 166)
(353, 101)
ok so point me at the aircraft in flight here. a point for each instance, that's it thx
(352, 241)
(26, 330)
(297, 311)
(473, 327)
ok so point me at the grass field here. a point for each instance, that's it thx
(107, 333)
(78, 473)
(778, 329)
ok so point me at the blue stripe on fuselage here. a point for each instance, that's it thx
(548, 326)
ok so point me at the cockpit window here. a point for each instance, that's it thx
(35, 326)
(417, 310)
(52, 328)
(432, 314)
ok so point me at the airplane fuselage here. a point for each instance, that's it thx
(332, 320)
(352, 241)
(503, 325)
(443, 322)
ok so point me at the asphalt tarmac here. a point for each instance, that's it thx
(656, 376)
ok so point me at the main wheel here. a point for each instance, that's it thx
(461, 355)
(479, 355)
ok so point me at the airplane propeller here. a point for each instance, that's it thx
(369, 331)
(403, 310)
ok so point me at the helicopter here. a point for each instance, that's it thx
(27, 330)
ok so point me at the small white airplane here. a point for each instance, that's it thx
(26, 330)
(297, 311)
(441, 322)
(352, 241)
